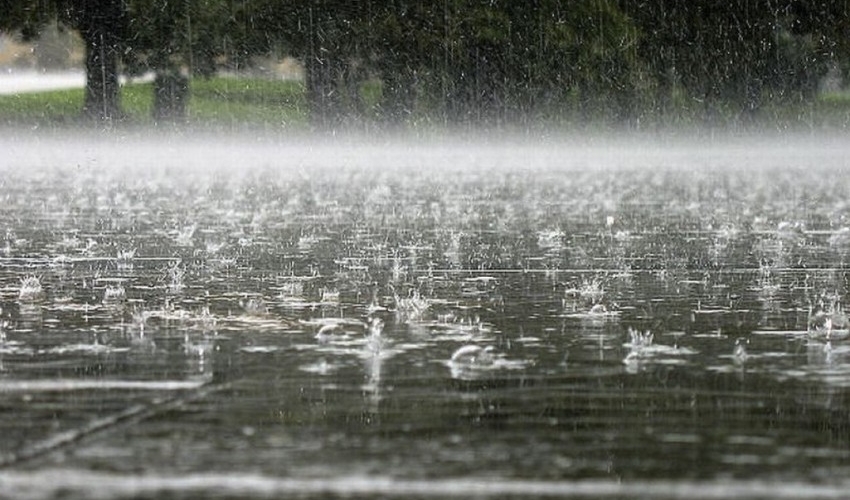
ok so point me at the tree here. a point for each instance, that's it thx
(736, 55)
(160, 41)
(498, 61)
(174, 39)
(26, 17)
(101, 24)
(495, 61)
(180, 39)
(332, 35)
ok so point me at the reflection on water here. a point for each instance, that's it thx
(561, 328)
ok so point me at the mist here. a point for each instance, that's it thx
(138, 151)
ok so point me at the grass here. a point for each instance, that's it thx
(219, 102)
(230, 103)
(35, 109)
(245, 101)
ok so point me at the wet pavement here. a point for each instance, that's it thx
(264, 318)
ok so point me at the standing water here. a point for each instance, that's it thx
(238, 318)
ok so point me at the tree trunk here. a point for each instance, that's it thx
(322, 92)
(101, 27)
(102, 98)
(171, 94)
(398, 94)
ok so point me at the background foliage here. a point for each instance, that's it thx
(486, 61)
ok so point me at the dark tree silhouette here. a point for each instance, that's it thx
(102, 25)
(470, 61)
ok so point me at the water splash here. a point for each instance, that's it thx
(31, 290)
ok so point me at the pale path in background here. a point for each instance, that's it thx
(29, 81)
(24, 81)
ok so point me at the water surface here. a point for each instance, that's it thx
(264, 318)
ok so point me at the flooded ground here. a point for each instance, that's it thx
(258, 318)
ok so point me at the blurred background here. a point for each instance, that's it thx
(398, 64)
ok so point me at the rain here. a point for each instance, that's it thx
(441, 249)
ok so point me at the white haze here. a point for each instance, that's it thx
(161, 153)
